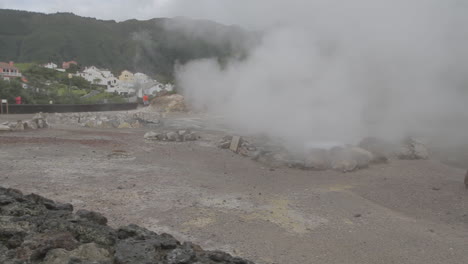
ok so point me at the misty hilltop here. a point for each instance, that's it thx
(151, 46)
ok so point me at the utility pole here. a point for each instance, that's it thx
(70, 76)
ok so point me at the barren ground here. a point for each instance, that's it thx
(401, 212)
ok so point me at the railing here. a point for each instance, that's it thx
(56, 108)
(13, 74)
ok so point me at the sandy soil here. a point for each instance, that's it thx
(401, 212)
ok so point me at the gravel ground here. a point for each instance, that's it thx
(401, 212)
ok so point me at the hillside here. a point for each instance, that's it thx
(151, 46)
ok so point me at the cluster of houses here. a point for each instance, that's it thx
(127, 83)
(65, 66)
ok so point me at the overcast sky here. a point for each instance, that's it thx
(223, 11)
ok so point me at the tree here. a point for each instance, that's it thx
(96, 81)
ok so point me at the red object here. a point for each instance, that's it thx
(18, 100)
(67, 64)
(145, 98)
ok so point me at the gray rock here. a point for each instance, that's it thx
(92, 216)
(224, 144)
(19, 126)
(41, 123)
(38, 116)
(136, 251)
(349, 158)
(4, 128)
(162, 137)
(172, 136)
(190, 137)
(152, 135)
(36, 247)
(235, 143)
(182, 255)
(91, 253)
(380, 149)
(30, 124)
(413, 150)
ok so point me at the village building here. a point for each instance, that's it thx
(8, 70)
(101, 77)
(127, 76)
(66, 64)
(50, 65)
(141, 78)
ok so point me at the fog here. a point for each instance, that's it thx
(330, 70)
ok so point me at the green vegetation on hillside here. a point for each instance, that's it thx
(151, 46)
(50, 85)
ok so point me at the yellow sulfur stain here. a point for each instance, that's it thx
(279, 213)
(339, 188)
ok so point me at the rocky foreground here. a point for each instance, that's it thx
(34, 229)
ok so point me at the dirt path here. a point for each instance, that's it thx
(402, 212)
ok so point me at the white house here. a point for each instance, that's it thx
(100, 77)
(50, 65)
(141, 78)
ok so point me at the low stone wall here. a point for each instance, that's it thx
(106, 119)
(34, 229)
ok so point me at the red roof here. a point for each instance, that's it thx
(5, 65)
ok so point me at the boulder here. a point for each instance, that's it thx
(172, 136)
(225, 142)
(152, 135)
(90, 253)
(38, 116)
(349, 158)
(19, 126)
(190, 137)
(412, 149)
(41, 123)
(30, 124)
(4, 128)
(380, 149)
(92, 216)
(235, 143)
(183, 254)
(36, 247)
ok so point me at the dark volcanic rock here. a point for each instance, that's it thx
(92, 216)
(34, 229)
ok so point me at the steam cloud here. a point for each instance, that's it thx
(329, 70)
